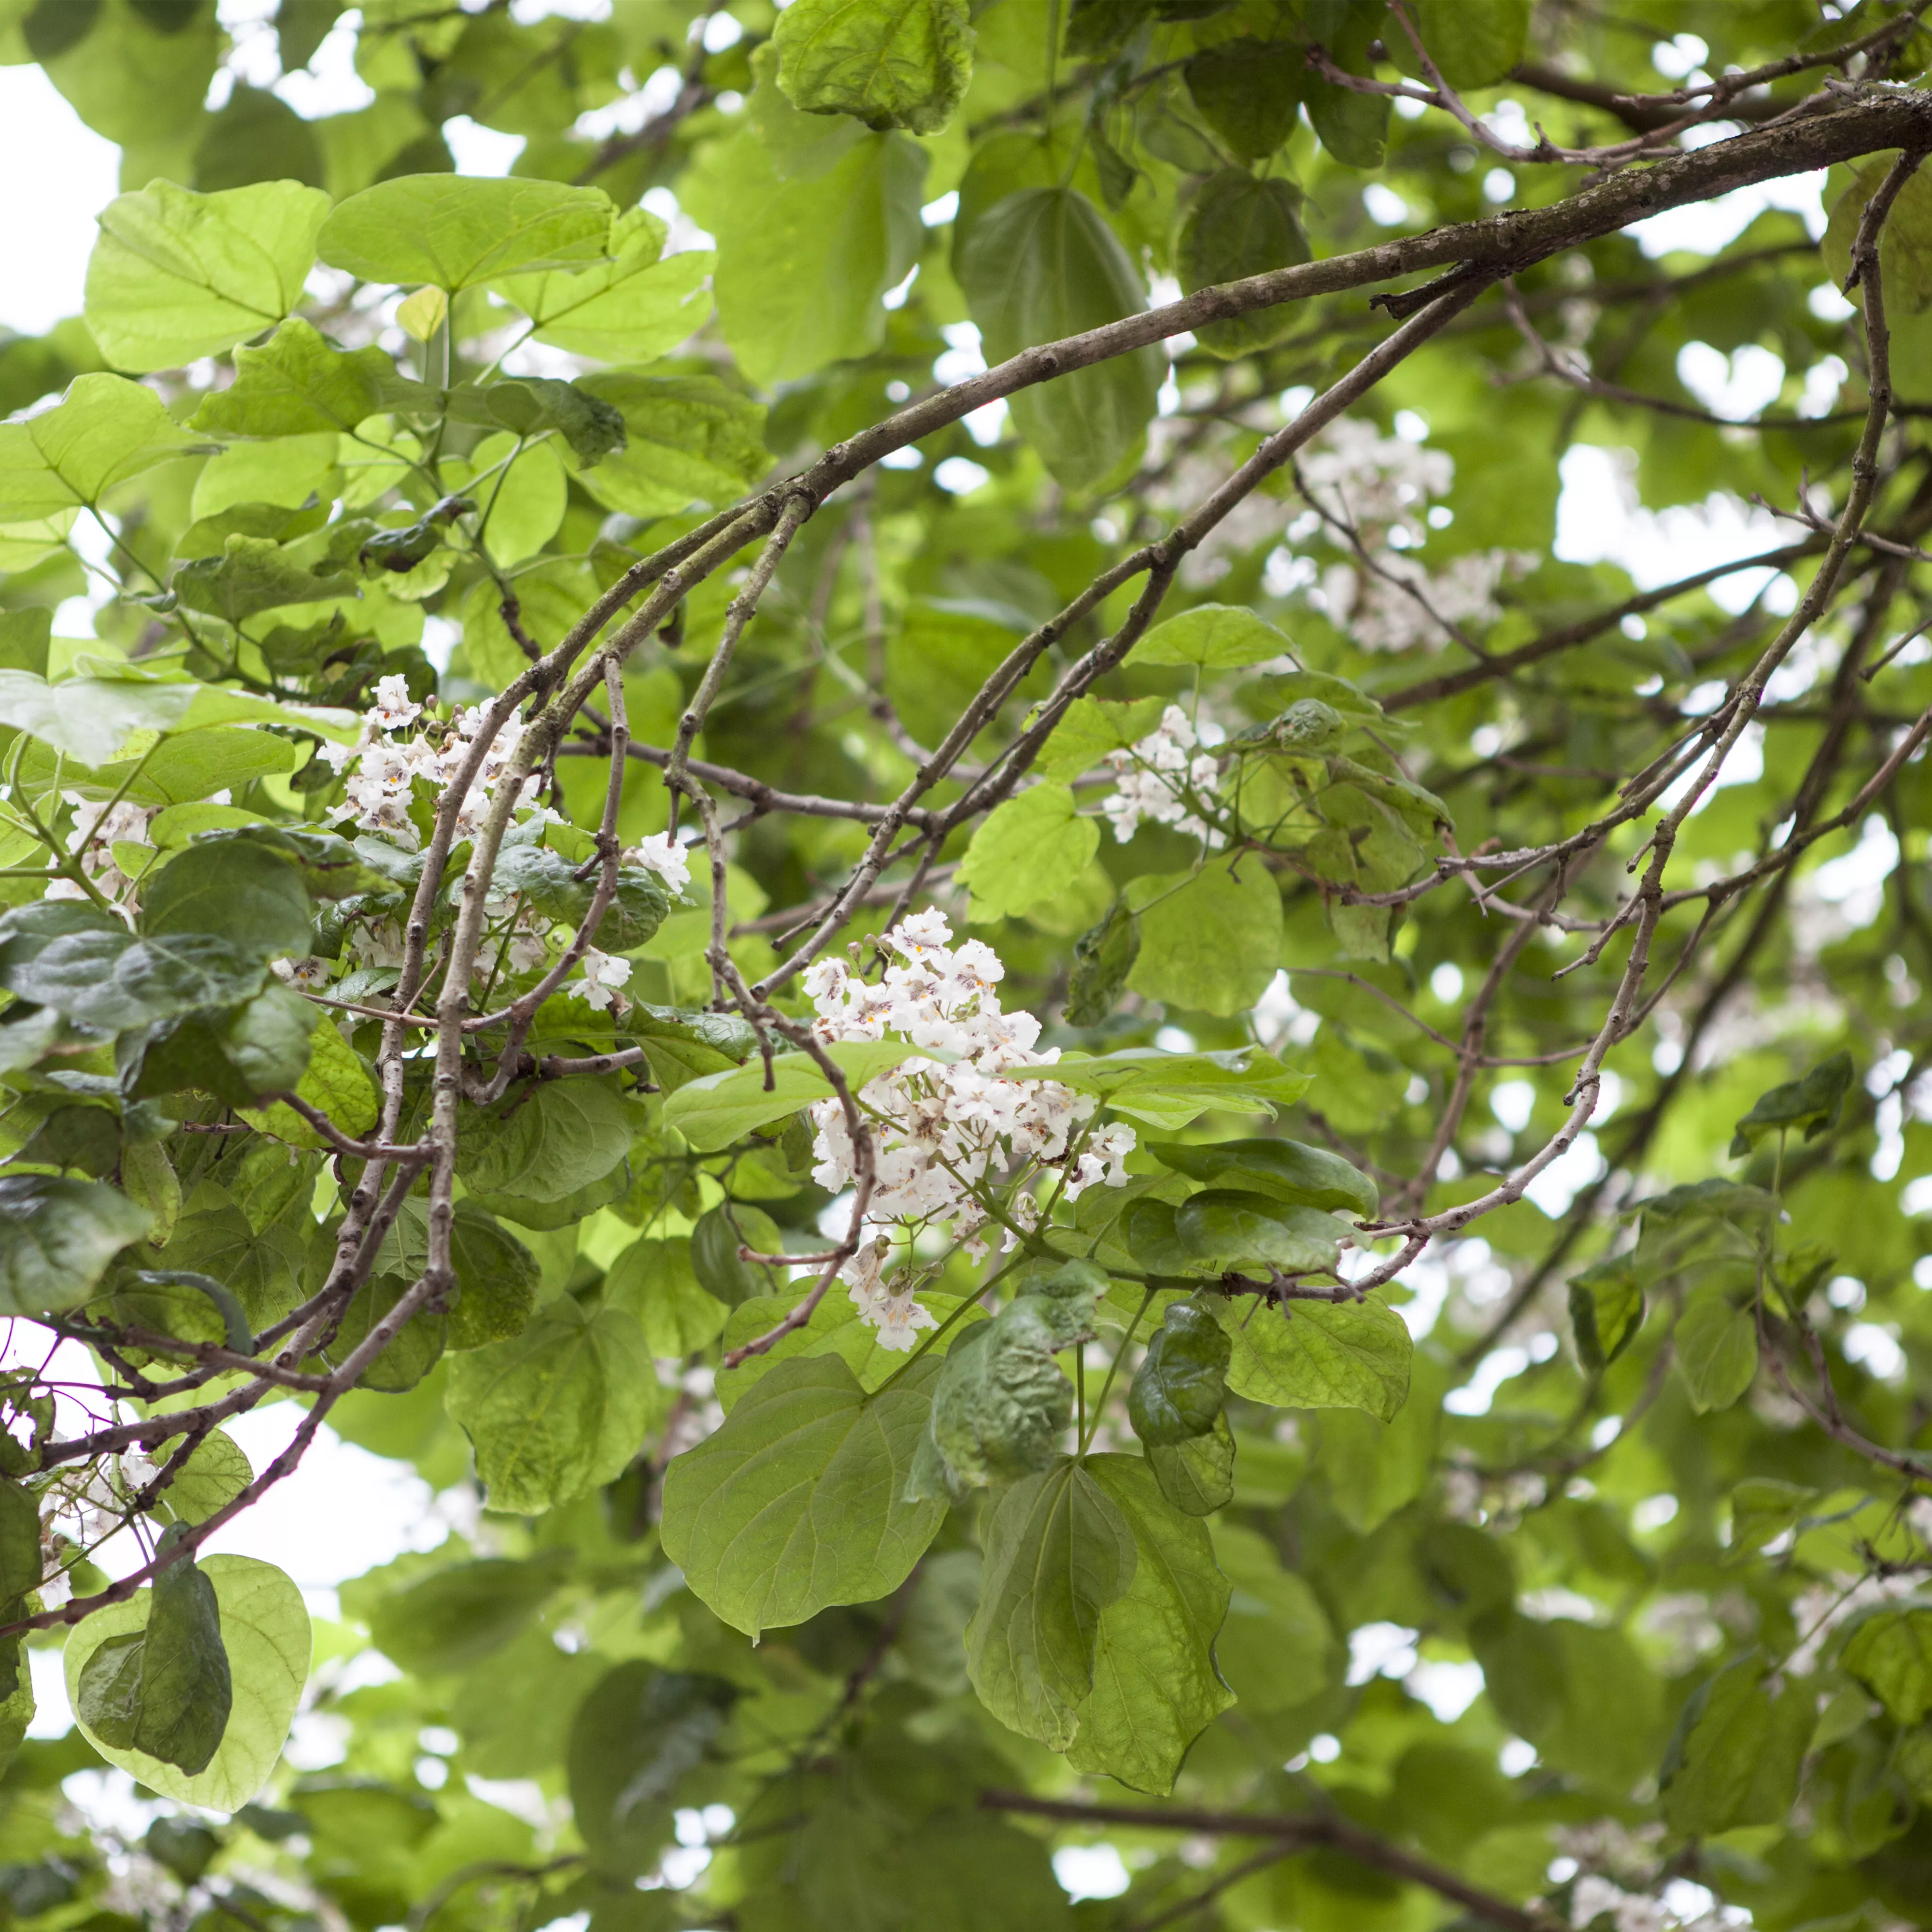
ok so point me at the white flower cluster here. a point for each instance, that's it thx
(1592, 1898)
(97, 828)
(1382, 481)
(1151, 775)
(942, 1130)
(81, 1505)
(381, 766)
(1381, 615)
(1823, 1609)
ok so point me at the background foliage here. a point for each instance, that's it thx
(1459, 1456)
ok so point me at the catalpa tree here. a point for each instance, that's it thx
(863, 849)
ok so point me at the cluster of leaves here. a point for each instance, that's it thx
(1477, 1460)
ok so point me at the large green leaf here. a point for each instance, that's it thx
(544, 1145)
(803, 264)
(106, 430)
(1288, 1170)
(1717, 1351)
(799, 1501)
(1059, 1551)
(1211, 942)
(1250, 1233)
(1043, 264)
(264, 1631)
(558, 1409)
(177, 275)
(299, 383)
(1239, 226)
(456, 1617)
(57, 1238)
(1178, 1391)
(1212, 637)
(890, 63)
(1156, 1687)
(1031, 848)
(1736, 1757)
(1474, 42)
(718, 1108)
(633, 308)
(454, 231)
(1318, 1354)
(1890, 1654)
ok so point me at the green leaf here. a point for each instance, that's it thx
(1474, 42)
(691, 440)
(1890, 1653)
(407, 1357)
(214, 1475)
(799, 1501)
(639, 305)
(1606, 1309)
(545, 1144)
(1212, 637)
(1089, 728)
(264, 1632)
(1043, 264)
(1318, 1354)
(639, 1732)
(558, 1410)
(1178, 1391)
(715, 1110)
(656, 1281)
(106, 430)
(299, 383)
(57, 1237)
(1058, 1551)
(1716, 1351)
(834, 1329)
(1248, 91)
(1813, 1103)
(1196, 1476)
(240, 893)
(530, 404)
(177, 275)
(334, 1080)
(252, 574)
(498, 1277)
(889, 63)
(1239, 226)
(1170, 1089)
(1288, 1170)
(1276, 1649)
(166, 1691)
(1155, 1686)
(1210, 943)
(454, 231)
(1031, 848)
(1103, 956)
(1762, 1509)
(454, 1618)
(1230, 1229)
(1736, 1757)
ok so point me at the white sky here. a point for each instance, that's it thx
(345, 1510)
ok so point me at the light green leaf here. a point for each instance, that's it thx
(265, 1630)
(803, 264)
(543, 1146)
(639, 305)
(57, 1237)
(1474, 42)
(1211, 943)
(1277, 1649)
(1890, 1654)
(523, 505)
(654, 1280)
(299, 383)
(457, 1617)
(798, 1501)
(1170, 1089)
(1606, 1308)
(889, 63)
(1716, 1351)
(715, 1110)
(106, 430)
(1155, 1686)
(1031, 848)
(1089, 728)
(1318, 1354)
(1043, 264)
(1059, 1551)
(1736, 1757)
(177, 275)
(456, 230)
(251, 575)
(211, 1478)
(691, 440)
(1212, 637)
(834, 1329)
(336, 1081)
(558, 1410)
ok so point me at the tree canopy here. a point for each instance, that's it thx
(865, 850)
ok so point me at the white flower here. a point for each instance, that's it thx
(1629, 1912)
(301, 972)
(663, 855)
(602, 976)
(393, 709)
(1151, 776)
